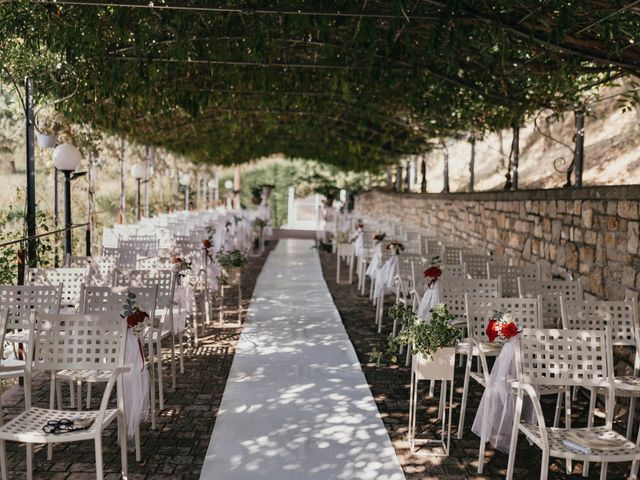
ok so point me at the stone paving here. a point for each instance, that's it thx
(390, 388)
(176, 449)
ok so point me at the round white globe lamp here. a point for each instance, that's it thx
(67, 158)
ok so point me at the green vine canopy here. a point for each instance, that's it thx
(358, 84)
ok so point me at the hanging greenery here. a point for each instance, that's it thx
(333, 81)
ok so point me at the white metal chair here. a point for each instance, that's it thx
(510, 273)
(622, 319)
(476, 265)
(551, 291)
(71, 280)
(61, 342)
(345, 253)
(478, 311)
(111, 300)
(567, 358)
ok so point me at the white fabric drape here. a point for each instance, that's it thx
(494, 419)
(385, 276)
(136, 385)
(430, 299)
(357, 244)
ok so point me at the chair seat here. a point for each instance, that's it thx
(625, 452)
(27, 427)
(489, 349)
(89, 376)
(627, 386)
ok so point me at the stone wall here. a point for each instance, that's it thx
(590, 232)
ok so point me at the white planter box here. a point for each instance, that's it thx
(440, 366)
(233, 275)
(46, 141)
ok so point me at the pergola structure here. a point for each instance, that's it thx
(359, 84)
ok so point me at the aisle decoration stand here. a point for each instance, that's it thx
(231, 265)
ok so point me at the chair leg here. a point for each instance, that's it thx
(632, 409)
(181, 346)
(513, 444)
(136, 437)
(603, 471)
(592, 407)
(59, 394)
(79, 402)
(173, 361)
(544, 465)
(160, 374)
(88, 395)
(29, 461)
(465, 393)
(98, 446)
(4, 470)
(122, 432)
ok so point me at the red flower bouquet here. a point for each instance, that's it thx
(434, 272)
(397, 247)
(206, 244)
(380, 237)
(502, 327)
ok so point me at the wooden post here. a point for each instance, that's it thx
(472, 164)
(579, 150)
(516, 157)
(446, 169)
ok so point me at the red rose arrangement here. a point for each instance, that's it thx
(137, 320)
(181, 266)
(434, 273)
(206, 244)
(502, 327)
(360, 227)
(380, 237)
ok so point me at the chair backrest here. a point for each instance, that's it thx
(110, 252)
(476, 265)
(453, 290)
(144, 246)
(620, 316)
(526, 312)
(451, 254)
(453, 271)
(551, 290)
(113, 299)
(565, 357)
(127, 258)
(431, 245)
(510, 274)
(71, 280)
(78, 342)
(22, 300)
(101, 273)
(164, 280)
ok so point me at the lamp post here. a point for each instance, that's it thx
(229, 186)
(139, 172)
(67, 158)
(48, 142)
(185, 180)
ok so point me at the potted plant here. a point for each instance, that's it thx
(231, 264)
(433, 343)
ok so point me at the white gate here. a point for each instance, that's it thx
(303, 213)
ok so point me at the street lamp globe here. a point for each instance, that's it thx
(228, 185)
(139, 171)
(212, 183)
(66, 157)
(185, 179)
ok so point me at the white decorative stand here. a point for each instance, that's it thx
(345, 252)
(234, 279)
(440, 366)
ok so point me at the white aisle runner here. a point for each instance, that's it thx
(296, 404)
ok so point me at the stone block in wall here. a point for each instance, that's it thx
(628, 209)
(613, 290)
(628, 276)
(587, 217)
(596, 283)
(572, 256)
(590, 237)
(632, 237)
(612, 207)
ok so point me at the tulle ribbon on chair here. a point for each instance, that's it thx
(136, 386)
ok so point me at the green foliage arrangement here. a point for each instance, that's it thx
(232, 259)
(424, 338)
